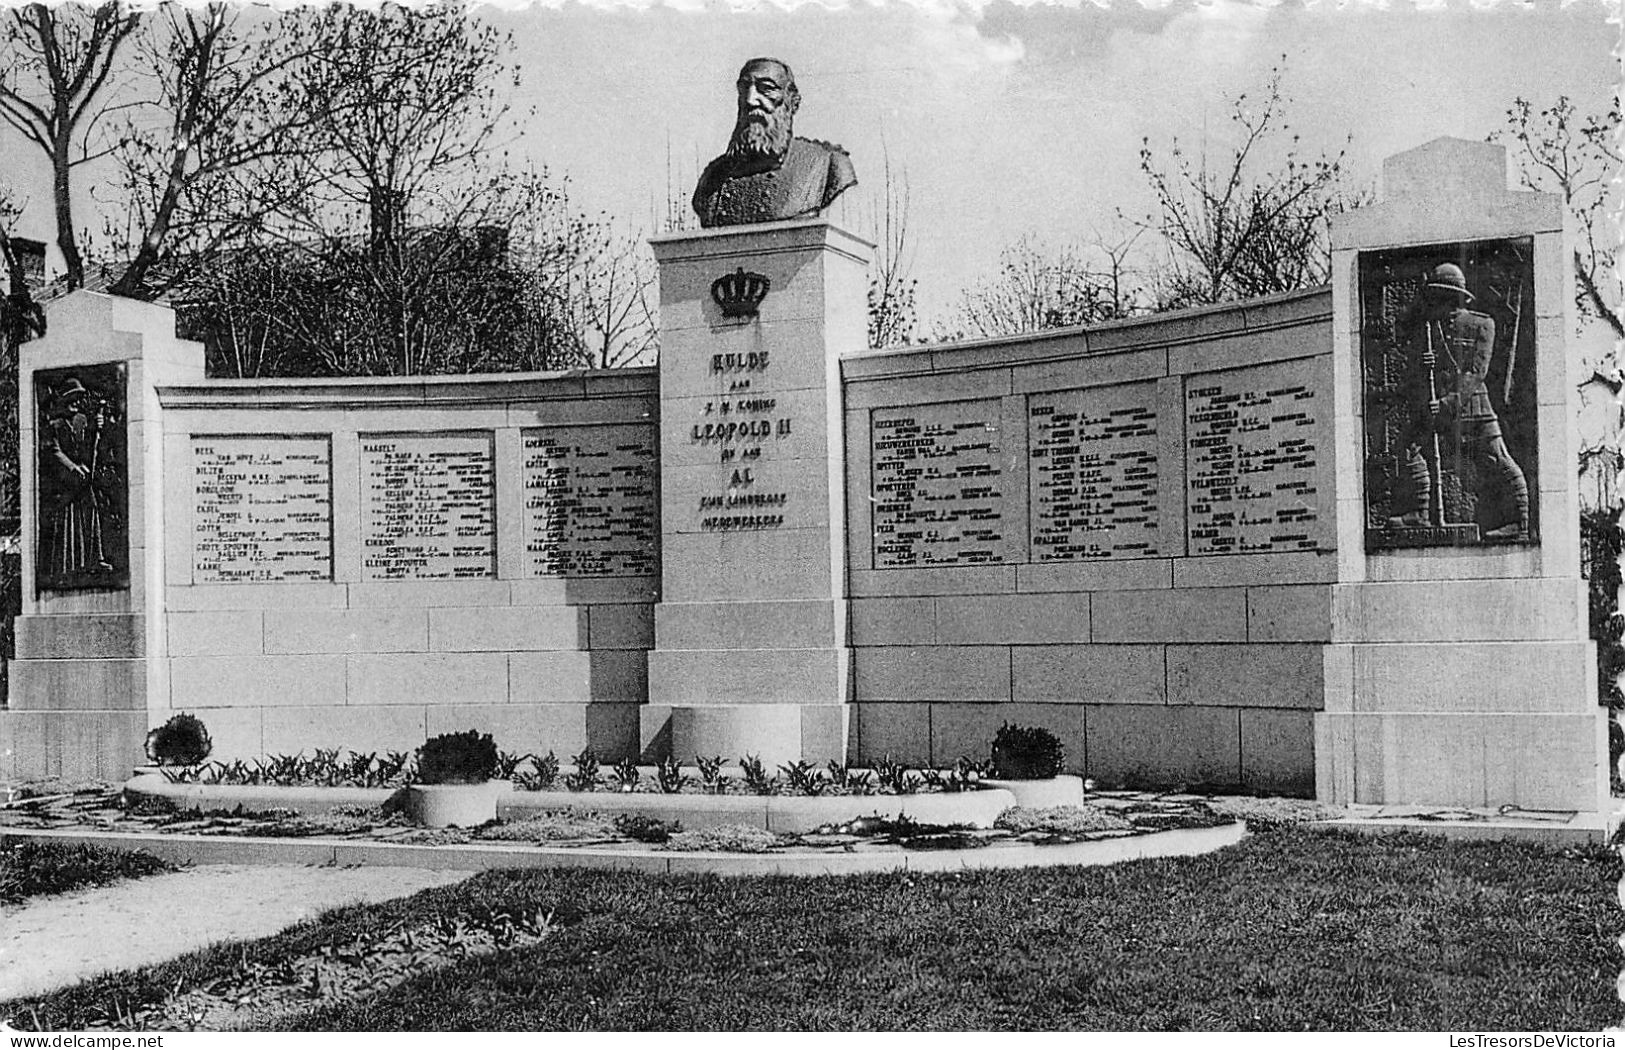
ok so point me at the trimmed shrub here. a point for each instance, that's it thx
(457, 758)
(181, 741)
(1026, 753)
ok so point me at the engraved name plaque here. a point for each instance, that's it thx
(590, 506)
(262, 509)
(1252, 448)
(1093, 473)
(427, 507)
(938, 481)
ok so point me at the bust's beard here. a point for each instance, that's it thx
(753, 141)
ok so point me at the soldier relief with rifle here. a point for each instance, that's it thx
(1450, 418)
(81, 482)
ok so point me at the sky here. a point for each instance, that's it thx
(1006, 119)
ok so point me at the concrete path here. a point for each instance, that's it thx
(63, 939)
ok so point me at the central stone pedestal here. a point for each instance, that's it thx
(751, 652)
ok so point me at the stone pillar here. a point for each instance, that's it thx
(88, 675)
(1459, 670)
(751, 652)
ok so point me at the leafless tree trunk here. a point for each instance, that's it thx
(61, 58)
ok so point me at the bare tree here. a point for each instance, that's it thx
(1037, 287)
(1234, 228)
(893, 316)
(412, 108)
(614, 303)
(537, 286)
(413, 104)
(59, 62)
(1562, 150)
(206, 162)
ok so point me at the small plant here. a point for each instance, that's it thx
(585, 778)
(894, 776)
(642, 828)
(1026, 753)
(508, 764)
(543, 773)
(394, 767)
(324, 769)
(181, 741)
(669, 777)
(804, 778)
(757, 779)
(457, 758)
(711, 774)
(359, 769)
(849, 780)
(626, 775)
(967, 775)
(283, 770)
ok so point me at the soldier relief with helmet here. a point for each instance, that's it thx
(1449, 417)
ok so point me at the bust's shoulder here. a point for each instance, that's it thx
(821, 146)
(719, 166)
(1473, 319)
(835, 161)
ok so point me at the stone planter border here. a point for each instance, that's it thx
(778, 813)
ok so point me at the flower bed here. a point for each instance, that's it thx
(711, 829)
(777, 813)
(338, 768)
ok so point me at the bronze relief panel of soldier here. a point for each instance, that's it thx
(1448, 372)
(82, 524)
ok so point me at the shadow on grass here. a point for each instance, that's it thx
(1294, 928)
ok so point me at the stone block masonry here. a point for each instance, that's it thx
(358, 564)
(1082, 552)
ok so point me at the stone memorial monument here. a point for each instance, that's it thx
(751, 651)
(1321, 543)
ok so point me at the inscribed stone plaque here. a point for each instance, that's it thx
(1447, 372)
(1093, 473)
(938, 482)
(590, 505)
(82, 526)
(262, 509)
(1252, 459)
(427, 507)
(744, 436)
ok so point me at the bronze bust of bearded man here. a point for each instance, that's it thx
(769, 174)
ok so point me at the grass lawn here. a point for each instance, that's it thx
(34, 869)
(1294, 928)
